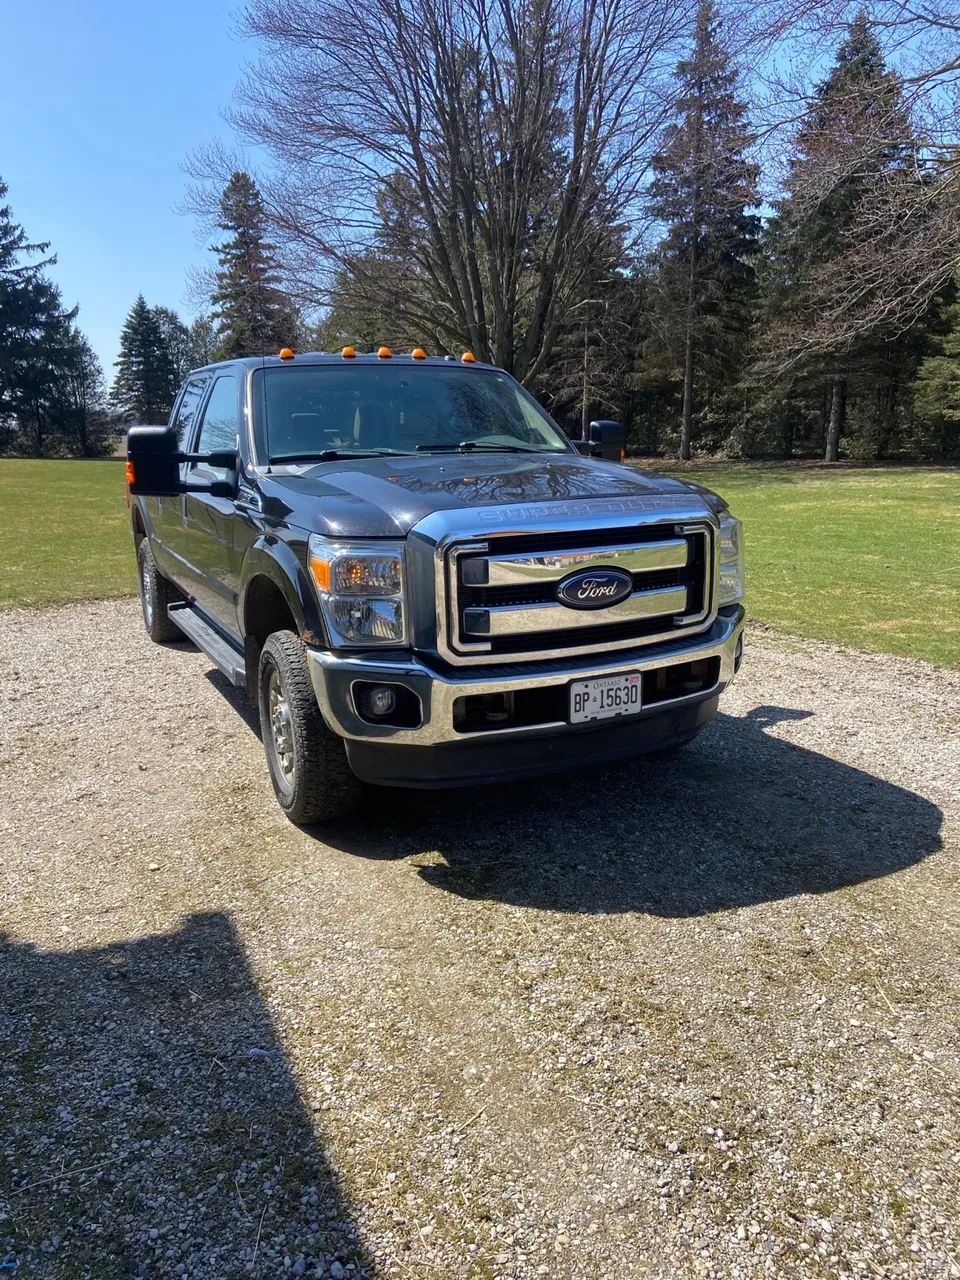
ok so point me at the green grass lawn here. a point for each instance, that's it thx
(869, 557)
(63, 531)
(866, 557)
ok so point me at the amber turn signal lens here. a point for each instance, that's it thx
(321, 572)
(384, 353)
(468, 357)
(348, 353)
(286, 354)
(130, 477)
(418, 353)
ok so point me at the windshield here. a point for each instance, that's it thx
(348, 410)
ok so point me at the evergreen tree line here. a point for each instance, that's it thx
(52, 395)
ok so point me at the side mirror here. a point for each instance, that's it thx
(154, 460)
(608, 440)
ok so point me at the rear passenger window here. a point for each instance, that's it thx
(185, 414)
(220, 418)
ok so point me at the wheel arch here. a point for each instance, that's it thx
(274, 596)
(139, 525)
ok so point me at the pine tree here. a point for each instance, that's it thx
(34, 338)
(852, 150)
(81, 420)
(145, 385)
(176, 335)
(936, 388)
(201, 342)
(252, 314)
(28, 304)
(702, 189)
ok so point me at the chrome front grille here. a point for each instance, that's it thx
(502, 589)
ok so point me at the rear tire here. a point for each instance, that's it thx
(156, 592)
(307, 760)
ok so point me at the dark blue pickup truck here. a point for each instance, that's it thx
(421, 581)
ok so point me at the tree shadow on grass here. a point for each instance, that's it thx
(740, 818)
(151, 1125)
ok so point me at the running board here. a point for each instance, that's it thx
(220, 652)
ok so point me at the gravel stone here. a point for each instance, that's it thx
(677, 1019)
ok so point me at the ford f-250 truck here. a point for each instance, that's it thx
(421, 581)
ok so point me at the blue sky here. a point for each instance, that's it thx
(101, 100)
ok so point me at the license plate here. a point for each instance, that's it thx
(605, 698)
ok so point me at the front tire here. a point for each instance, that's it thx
(307, 761)
(155, 594)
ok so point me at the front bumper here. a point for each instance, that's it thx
(436, 753)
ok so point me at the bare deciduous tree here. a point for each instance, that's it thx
(469, 141)
(900, 250)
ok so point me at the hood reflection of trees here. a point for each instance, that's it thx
(516, 478)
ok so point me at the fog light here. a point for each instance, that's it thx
(381, 700)
(738, 656)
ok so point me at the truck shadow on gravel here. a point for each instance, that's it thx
(151, 1125)
(739, 818)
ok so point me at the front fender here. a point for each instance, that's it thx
(272, 558)
(138, 507)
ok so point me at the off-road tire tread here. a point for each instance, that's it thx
(161, 629)
(325, 787)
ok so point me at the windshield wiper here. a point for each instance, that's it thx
(467, 446)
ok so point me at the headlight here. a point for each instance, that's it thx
(361, 590)
(731, 559)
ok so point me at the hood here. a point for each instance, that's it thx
(386, 497)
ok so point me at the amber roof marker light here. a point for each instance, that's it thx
(286, 353)
(468, 357)
(418, 353)
(348, 353)
(384, 353)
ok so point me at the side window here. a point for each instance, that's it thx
(185, 413)
(220, 418)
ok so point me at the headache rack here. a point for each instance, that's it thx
(501, 599)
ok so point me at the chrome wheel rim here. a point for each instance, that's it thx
(145, 602)
(281, 728)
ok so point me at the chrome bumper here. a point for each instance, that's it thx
(333, 676)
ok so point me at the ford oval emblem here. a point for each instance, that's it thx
(594, 588)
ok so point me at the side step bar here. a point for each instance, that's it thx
(220, 651)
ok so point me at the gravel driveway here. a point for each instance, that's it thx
(684, 1018)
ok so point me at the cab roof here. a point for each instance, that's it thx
(360, 358)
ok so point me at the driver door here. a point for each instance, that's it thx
(170, 510)
(208, 522)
